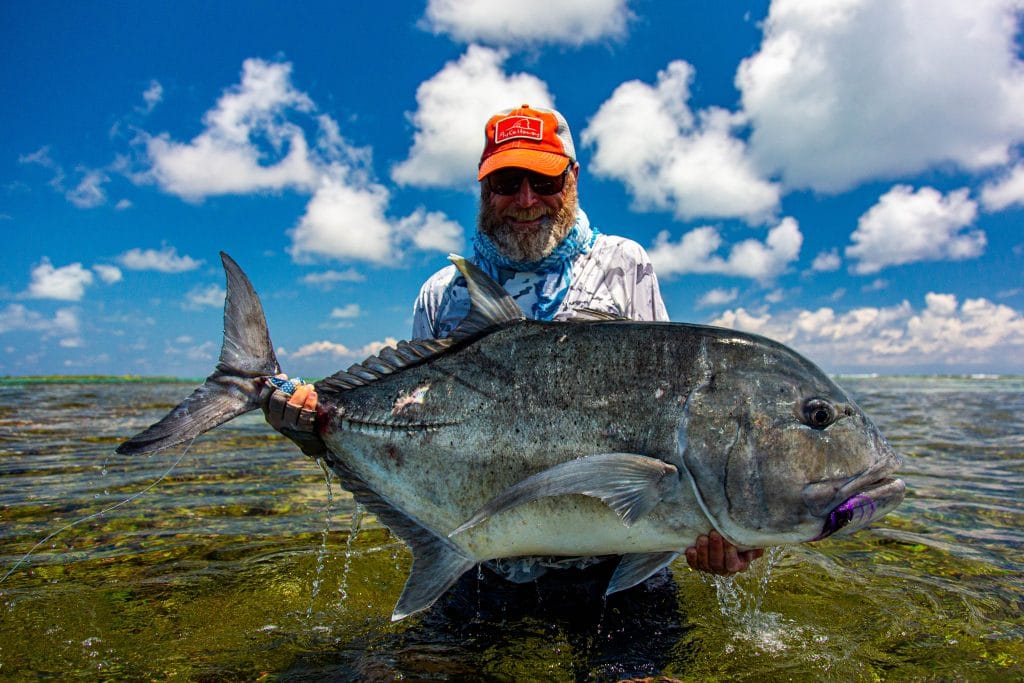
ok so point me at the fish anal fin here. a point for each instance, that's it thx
(632, 485)
(638, 567)
(436, 565)
(437, 562)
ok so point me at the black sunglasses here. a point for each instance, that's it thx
(507, 181)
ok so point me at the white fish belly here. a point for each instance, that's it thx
(570, 525)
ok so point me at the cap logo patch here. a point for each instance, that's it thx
(512, 127)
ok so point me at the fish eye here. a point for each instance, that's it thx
(819, 413)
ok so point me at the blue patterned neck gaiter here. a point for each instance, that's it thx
(552, 275)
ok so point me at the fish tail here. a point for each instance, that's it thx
(246, 357)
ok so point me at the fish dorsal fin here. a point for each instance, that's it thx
(589, 314)
(388, 360)
(489, 304)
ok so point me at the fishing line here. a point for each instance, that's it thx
(98, 514)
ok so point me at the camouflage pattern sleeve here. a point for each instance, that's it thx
(617, 277)
(647, 301)
(427, 311)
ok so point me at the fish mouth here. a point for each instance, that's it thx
(863, 507)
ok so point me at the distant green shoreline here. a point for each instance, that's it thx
(94, 379)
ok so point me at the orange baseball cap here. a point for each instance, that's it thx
(527, 137)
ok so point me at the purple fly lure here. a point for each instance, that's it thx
(854, 509)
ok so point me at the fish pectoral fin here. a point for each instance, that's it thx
(436, 565)
(637, 568)
(628, 483)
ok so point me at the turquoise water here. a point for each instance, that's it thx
(242, 563)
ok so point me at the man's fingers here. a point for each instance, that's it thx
(275, 409)
(310, 402)
(716, 553)
(713, 554)
(298, 397)
(702, 553)
(731, 562)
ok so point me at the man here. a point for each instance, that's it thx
(535, 240)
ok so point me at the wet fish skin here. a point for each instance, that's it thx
(592, 437)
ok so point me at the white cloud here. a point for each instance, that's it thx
(348, 221)
(335, 351)
(876, 285)
(205, 352)
(345, 222)
(1004, 192)
(41, 157)
(66, 283)
(453, 107)
(248, 125)
(17, 317)
(109, 274)
(850, 90)
(166, 260)
(153, 95)
(907, 226)
(717, 297)
(347, 312)
(528, 22)
(321, 348)
(826, 261)
(89, 193)
(432, 231)
(328, 278)
(975, 333)
(672, 159)
(255, 140)
(123, 204)
(210, 295)
(695, 253)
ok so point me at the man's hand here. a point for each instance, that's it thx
(294, 415)
(715, 555)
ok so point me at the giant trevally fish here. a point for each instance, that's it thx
(590, 437)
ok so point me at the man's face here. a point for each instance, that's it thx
(527, 226)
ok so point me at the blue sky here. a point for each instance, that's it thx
(845, 176)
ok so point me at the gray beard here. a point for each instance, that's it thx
(533, 245)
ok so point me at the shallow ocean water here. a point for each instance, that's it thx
(244, 562)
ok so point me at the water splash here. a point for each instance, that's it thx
(741, 600)
(321, 553)
(358, 513)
